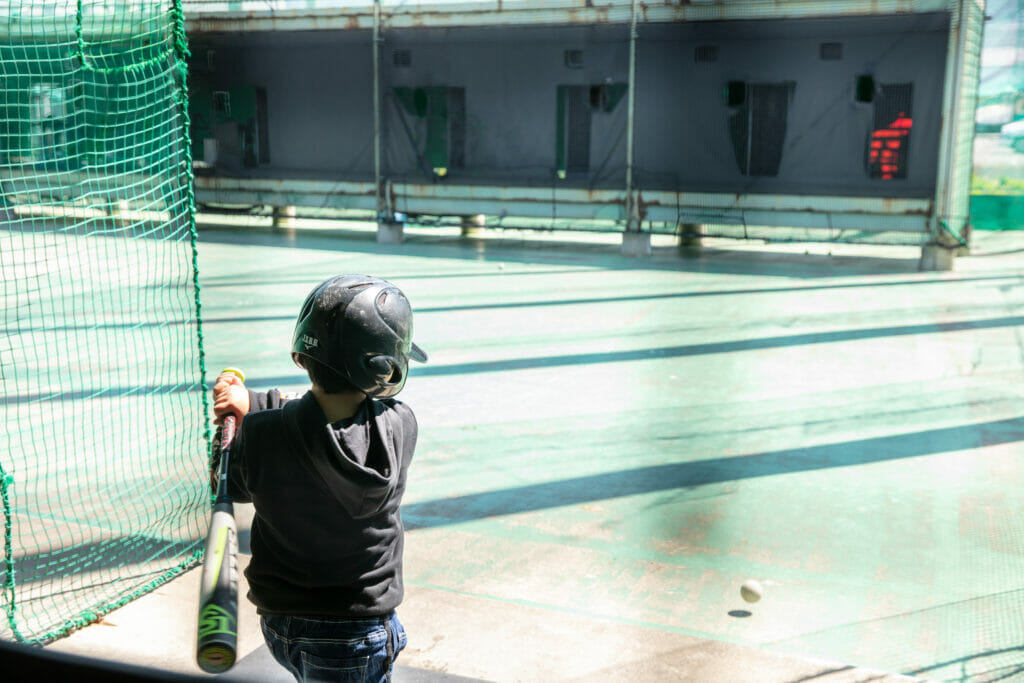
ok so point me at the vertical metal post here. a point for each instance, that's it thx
(948, 126)
(632, 214)
(748, 97)
(951, 181)
(376, 109)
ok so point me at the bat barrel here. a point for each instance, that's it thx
(217, 637)
(216, 657)
(217, 633)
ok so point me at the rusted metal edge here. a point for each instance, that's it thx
(541, 13)
(718, 200)
(864, 213)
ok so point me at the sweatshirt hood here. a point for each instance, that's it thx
(357, 458)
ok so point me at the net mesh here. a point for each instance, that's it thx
(739, 159)
(102, 453)
(998, 180)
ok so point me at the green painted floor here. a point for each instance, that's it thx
(629, 440)
(609, 447)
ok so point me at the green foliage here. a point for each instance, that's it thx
(1002, 185)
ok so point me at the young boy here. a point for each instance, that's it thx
(326, 474)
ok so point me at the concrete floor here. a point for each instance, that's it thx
(610, 447)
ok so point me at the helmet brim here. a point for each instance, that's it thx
(417, 354)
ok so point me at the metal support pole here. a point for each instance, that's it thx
(376, 109)
(939, 252)
(947, 140)
(632, 213)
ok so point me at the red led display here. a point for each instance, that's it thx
(887, 155)
(889, 143)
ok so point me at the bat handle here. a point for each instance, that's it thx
(233, 371)
(227, 432)
(227, 435)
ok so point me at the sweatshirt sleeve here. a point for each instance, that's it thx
(265, 401)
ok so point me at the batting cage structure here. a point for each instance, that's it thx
(104, 442)
(846, 121)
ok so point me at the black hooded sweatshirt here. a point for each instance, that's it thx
(327, 536)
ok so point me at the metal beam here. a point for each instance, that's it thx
(632, 210)
(860, 213)
(376, 108)
(952, 187)
(448, 199)
(211, 17)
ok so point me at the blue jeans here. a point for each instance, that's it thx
(315, 649)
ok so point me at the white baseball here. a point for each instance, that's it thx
(751, 591)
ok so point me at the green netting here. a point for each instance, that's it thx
(102, 452)
(998, 180)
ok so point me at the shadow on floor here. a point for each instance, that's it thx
(577, 490)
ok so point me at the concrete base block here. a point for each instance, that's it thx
(390, 233)
(121, 213)
(284, 217)
(935, 257)
(472, 226)
(689, 235)
(636, 244)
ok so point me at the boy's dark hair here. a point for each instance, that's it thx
(325, 378)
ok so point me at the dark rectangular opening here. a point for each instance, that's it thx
(831, 51)
(758, 127)
(221, 105)
(457, 127)
(578, 113)
(705, 54)
(735, 93)
(769, 110)
(262, 126)
(865, 88)
(401, 58)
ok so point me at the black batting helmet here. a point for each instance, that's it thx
(361, 328)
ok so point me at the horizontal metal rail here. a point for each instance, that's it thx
(204, 16)
(819, 211)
